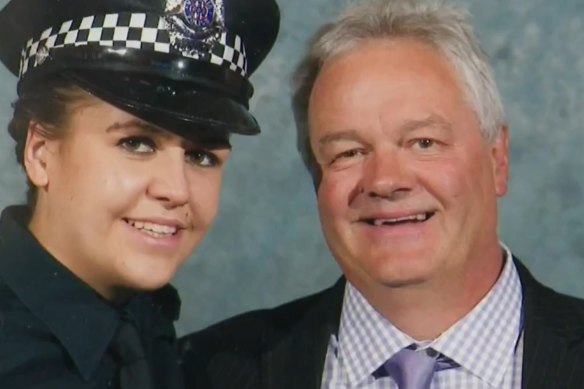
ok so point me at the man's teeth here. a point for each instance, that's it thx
(156, 230)
(413, 218)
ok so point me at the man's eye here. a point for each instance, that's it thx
(138, 144)
(346, 157)
(349, 154)
(203, 158)
(425, 143)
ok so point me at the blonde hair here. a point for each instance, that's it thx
(444, 27)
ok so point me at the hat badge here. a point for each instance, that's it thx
(200, 13)
(194, 25)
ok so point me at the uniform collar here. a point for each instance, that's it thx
(82, 321)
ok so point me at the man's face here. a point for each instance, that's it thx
(409, 185)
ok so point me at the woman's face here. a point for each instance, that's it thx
(122, 203)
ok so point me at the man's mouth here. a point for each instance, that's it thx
(153, 229)
(416, 218)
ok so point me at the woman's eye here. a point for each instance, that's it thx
(203, 158)
(137, 144)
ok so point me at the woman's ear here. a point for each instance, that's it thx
(36, 150)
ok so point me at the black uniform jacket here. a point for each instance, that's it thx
(285, 347)
(55, 331)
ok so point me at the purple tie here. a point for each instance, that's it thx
(413, 369)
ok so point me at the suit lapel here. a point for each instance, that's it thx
(553, 338)
(552, 356)
(296, 359)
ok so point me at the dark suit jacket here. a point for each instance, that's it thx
(285, 347)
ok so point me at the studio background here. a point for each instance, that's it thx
(266, 246)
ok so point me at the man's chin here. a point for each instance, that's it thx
(401, 275)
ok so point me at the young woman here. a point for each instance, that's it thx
(122, 126)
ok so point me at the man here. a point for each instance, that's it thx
(401, 126)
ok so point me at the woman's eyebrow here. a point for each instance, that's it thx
(196, 140)
(208, 142)
(136, 124)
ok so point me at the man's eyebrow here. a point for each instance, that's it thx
(408, 126)
(432, 121)
(346, 135)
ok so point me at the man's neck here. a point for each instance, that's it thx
(424, 311)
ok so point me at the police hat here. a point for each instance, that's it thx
(180, 64)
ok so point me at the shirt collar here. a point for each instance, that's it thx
(367, 339)
(484, 341)
(79, 318)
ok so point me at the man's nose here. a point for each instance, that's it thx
(387, 175)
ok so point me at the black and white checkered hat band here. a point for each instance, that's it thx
(142, 31)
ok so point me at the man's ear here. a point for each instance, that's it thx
(500, 157)
(36, 153)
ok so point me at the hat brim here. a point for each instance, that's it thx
(187, 109)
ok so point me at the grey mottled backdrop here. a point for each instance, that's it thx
(266, 246)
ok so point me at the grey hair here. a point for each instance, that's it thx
(445, 27)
